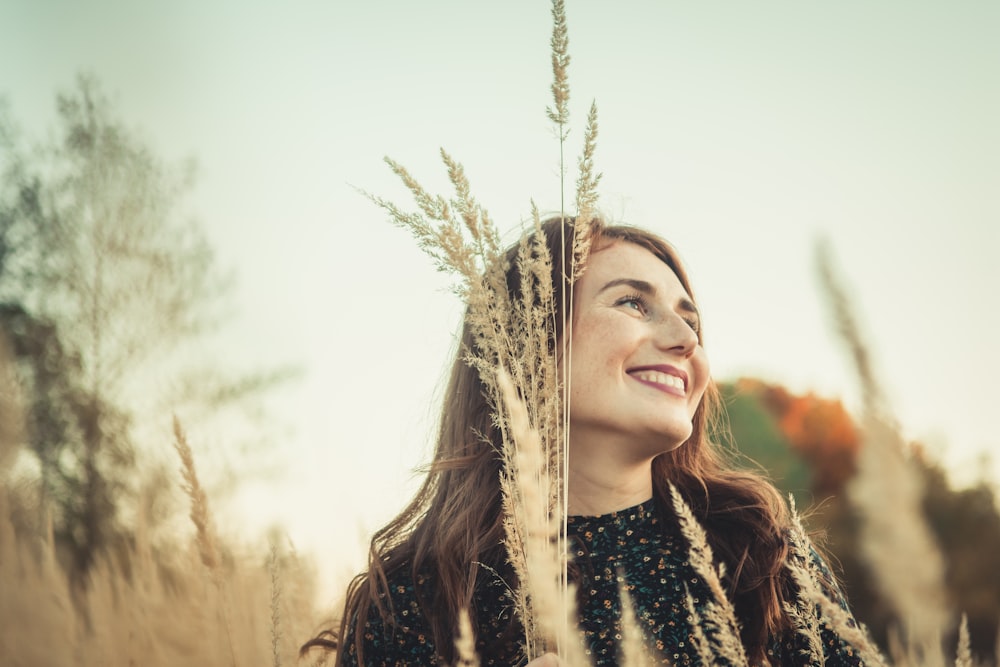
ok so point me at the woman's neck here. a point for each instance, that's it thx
(596, 490)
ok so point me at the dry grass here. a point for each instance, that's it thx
(513, 335)
(465, 643)
(534, 426)
(158, 605)
(633, 651)
(887, 493)
(718, 613)
(202, 602)
(526, 401)
(815, 608)
(551, 603)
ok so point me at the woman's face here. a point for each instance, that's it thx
(638, 371)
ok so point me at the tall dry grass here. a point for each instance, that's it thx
(523, 377)
(198, 601)
(191, 601)
(520, 376)
(887, 493)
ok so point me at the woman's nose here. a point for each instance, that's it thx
(675, 334)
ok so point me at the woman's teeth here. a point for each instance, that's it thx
(660, 378)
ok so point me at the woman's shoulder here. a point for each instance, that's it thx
(821, 620)
(394, 628)
(807, 560)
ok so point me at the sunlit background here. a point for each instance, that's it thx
(742, 133)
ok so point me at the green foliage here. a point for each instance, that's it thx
(760, 441)
(804, 443)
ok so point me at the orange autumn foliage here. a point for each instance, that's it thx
(819, 429)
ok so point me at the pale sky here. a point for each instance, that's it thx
(739, 131)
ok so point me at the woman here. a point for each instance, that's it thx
(641, 401)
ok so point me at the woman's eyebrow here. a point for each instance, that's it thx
(688, 305)
(638, 285)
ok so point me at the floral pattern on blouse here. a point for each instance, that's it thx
(633, 547)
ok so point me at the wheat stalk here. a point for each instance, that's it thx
(275, 576)
(698, 637)
(719, 612)
(813, 607)
(888, 491)
(806, 622)
(200, 516)
(803, 613)
(633, 651)
(515, 334)
(465, 643)
(559, 114)
(963, 656)
(205, 535)
(586, 197)
(836, 617)
(544, 561)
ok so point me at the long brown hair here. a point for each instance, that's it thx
(453, 526)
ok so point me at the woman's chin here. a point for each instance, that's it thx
(664, 442)
(675, 434)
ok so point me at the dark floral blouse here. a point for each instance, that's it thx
(653, 557)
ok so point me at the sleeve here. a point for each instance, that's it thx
(397, 642)
(820, 619)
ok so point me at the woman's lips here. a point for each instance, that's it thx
(666, 378)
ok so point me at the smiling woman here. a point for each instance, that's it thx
(638, 374)
(641, 400)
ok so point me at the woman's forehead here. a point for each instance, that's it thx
(623, 257)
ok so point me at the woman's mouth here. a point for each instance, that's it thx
(669, 382)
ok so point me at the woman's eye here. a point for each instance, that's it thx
(694, 324)
(635, 302)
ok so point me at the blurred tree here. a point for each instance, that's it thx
(102, 277)
(96, 239)
(80, 470)
(760, 441)
(820, 430)
(965, 522)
